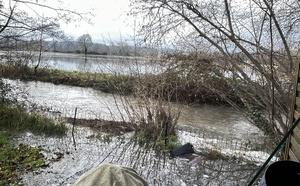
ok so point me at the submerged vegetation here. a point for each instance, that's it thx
(23, 158)
(158, 141)
(217, 62)
(16, 160)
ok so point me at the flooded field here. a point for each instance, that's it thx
(69, 161)
(103, 64)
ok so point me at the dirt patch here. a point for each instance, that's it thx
(111, 127)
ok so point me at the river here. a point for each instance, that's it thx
(91, 104)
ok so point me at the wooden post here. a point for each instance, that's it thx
(74, 120)
(166, 134)
(292, 112)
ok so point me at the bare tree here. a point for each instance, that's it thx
(24, 22)
(252, 44)
(85, 41)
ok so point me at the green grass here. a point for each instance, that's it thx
(101, 81)
(17, 160)
(3, 139)
(151, 138)
(14, 119)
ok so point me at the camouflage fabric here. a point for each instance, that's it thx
(110, 175)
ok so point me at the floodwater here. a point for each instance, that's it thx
(156, 168)
(204, 126)
(93, 104)
(103, 64)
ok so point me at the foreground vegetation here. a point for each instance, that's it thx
(15, 160)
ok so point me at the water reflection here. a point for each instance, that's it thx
(85, 66)
(103, 64)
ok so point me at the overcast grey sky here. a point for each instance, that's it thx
(110, 20)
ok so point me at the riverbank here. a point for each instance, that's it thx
(104, 82)
(172, 87)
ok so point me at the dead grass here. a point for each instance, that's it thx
(111, 127)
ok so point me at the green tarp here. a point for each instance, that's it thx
(110, 175)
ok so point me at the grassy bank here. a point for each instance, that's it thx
(105, 82)
(171, 85)
(99, 81)
(14, 160)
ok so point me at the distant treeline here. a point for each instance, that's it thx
(118, 49)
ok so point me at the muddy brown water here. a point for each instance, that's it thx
(205, 126)
(93, 104)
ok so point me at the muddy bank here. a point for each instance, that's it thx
(110, 127)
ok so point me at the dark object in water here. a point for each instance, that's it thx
(282, 173)
(184, 149)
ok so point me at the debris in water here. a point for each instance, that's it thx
(184, 149)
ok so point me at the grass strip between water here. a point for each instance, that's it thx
(109, 83)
